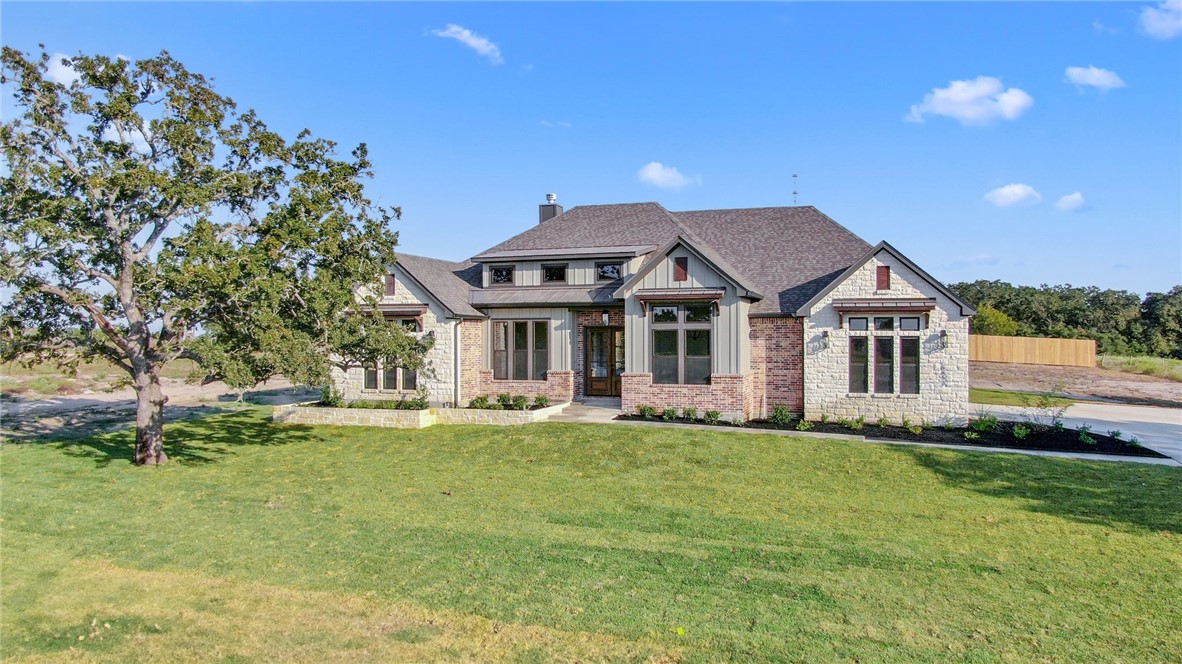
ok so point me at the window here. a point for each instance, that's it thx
(371, 378)
(608, 271)
(884, 323)
(884, 365)
(858, 324)
(389, 282)
(681, 344)
(521, 349)
(410, 324)
(859, 367)
(552, 274)
(502, 275)
(393, 377)
(680, 268)
(909, 324)
(909, 365)
(390, 378)
(410, 379)
(883, 277)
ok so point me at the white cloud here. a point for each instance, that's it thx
(1071, 202)
(1013, 194)
(559, 124)
(1100, 28)
(1163, 21)
(1101, 79)
(59, 72)
(473, 41)
(665, 177)
(976, 102)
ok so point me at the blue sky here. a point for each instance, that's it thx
(1034, 143)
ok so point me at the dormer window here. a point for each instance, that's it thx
(608, 271)
(554, 274)
(501, 275)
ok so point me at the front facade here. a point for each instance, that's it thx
(735, 311)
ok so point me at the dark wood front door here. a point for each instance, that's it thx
(605, 360)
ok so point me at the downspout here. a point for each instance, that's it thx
(457, 370)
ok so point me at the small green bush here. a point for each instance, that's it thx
(884, 422)
(972, 435)
(1134, 441)
(669, 414)
(480, 402)
(1115, 433)
(916, 429)
(738, 422)
(1020, 431)
(1084, 437)
(541, 401)
(906, 422)
(689, 413)
(824, 418)
(333, 399)
(985, 424)
(495, 406)
(520, 402)
(781, 415)
(855, 425)
(713, 417)
(645, 410)
(803, 425)
(505, 399)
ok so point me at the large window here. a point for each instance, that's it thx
(681, 344)
(873, 358)
(393, 377)
(859, 365)
(501, 275)
(608, 271)
(884, 365)
(521, 349)
(909, 365)
(554, 274)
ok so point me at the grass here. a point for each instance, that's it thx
(565, 542)
(46, 379)
(1163, 367)
(990, 397)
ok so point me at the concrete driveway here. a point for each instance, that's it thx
(1159, 429)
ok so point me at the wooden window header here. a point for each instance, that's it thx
(883, 277)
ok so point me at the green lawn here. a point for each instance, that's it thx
(991, 397)
(579, 542)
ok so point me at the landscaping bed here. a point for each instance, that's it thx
(984, 431)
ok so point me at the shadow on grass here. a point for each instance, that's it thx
(1105, 493)
(205, 436)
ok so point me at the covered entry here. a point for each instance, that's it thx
(605, 360)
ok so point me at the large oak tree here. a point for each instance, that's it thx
(146, 218)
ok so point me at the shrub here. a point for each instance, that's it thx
(645, 410)
(803, 425)
(479, 402)
(1084, 438)
(824, 418)
(984, 423)
(541, 401)
(738, 421)
(713, 417)
(669, 414)
(906, 422)
(884, 422)
(856, 425)
(689, 413)
(972, 435)
(916, 429)
(520, 402)
(1135, 441)
(505, 399)
(333, 399)
(781, 415)
(1020, 431)
(495, 406)
(1115, 433)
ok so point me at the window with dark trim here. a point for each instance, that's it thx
(859, 367)
(552, 274)
(680, 268)
(884, 365)
(884, 323)
(883, 277)
(410, 324)
(909, 323)
(500, 275)
(390, 283)
(909, 365)
(858, 324)
(681, 352)
(608, 271)
(393, 377)
(371, 378)
(521, 349)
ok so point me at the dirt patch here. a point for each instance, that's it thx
(1089, 384)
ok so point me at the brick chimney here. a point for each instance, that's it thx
(549, 209)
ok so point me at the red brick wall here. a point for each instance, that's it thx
(726, 393)
(590, 318)
(471, 350)
(777, 364)
(559, 386)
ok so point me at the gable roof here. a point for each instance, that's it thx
(704, 253)
(965, 308)
(449, 282)
(619, 225)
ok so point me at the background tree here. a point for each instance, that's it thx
(991, 321)
(144, 218)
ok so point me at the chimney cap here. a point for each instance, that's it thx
(550, 198)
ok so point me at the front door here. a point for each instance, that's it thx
(605, 361)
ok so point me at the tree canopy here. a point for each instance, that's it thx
(146, 218)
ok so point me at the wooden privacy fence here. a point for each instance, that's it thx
(1033, 350)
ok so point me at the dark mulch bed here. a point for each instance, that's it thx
(1040, 438)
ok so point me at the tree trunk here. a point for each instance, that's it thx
(149, 420)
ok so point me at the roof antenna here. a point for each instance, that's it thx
(794, 176)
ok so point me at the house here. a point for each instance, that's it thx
(730, 310)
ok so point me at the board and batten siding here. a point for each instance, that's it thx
(730, 348)
(562, 333)
(578, 272)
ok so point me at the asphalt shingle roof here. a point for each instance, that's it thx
(449, 282)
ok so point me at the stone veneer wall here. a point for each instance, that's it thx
(943, 372)
(777, 365)
(585, 318)
(471, 354)
(559, 386)
(726, 393)
(407, 419)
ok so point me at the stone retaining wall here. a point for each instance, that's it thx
(408, 419)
